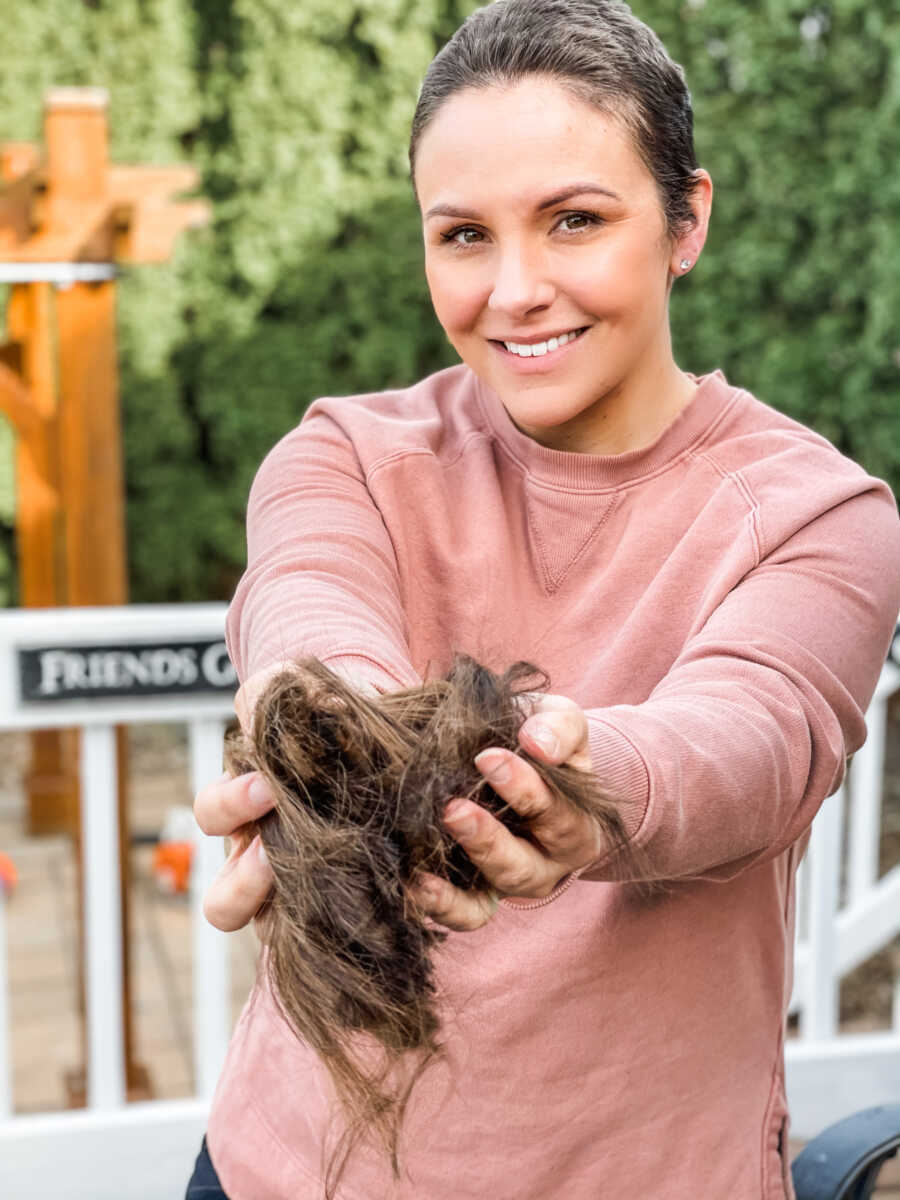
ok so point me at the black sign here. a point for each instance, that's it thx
(55, 673)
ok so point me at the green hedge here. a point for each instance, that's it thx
(309, 281)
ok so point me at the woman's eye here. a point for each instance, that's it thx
(575, 222)
(465, 235)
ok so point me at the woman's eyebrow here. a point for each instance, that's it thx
(560, 197)
(576, 189)
(448, 210)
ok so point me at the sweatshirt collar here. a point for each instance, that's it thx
(593, 472)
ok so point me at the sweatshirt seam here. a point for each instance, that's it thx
(779, 1057)
(289, 1156)
(742, 486)
(551, 585)
(394, 456)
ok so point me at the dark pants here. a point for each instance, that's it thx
(204, 1184)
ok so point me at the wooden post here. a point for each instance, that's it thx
(52, 778)
(67, 219)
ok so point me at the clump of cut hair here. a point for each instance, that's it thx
(360, 787)
(602, 54)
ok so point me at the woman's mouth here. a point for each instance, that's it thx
(538, 355)
(539, 349)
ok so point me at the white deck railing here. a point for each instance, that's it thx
(845, 914)
(112, 1150)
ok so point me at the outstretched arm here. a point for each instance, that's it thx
(322, 582)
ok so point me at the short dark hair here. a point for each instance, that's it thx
(601, 53)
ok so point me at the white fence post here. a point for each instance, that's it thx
(103, 917)
(212, 1018)
(820, 1011)
(865, 792)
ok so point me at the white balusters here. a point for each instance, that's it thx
(212, 1019)
(865, 818)
(103, 918)
(820, 1012)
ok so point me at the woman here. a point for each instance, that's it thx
(711, 586)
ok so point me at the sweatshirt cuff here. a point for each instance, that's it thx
(621, 771)
(623, 774)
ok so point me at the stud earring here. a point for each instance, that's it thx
(685, 263)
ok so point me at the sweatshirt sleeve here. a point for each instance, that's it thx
(321, 577)
(728, 760)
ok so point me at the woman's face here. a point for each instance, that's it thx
(547, 254)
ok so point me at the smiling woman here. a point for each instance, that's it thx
(710, 586)
(568, 242)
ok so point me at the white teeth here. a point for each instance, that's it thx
(537, 349)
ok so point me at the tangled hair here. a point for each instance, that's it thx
(360, 788)
(601, 53)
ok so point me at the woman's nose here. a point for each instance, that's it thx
(520, 284)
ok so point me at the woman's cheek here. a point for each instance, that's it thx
(459, 292)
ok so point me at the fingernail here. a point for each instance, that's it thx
(259, 795)
(494, 765)
(543, 736)
(260, 851)
(458, 813)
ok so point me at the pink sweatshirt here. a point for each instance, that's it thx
(720, 603)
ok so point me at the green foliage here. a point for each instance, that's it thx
(309, 281)
(797, 294)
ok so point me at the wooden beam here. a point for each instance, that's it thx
(21, 180)
(15, 402)
(38, 522)
(90, 446)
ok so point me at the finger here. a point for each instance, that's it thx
(243, 884)
(511, 864)
(557, 733)
(565, 834)
(451, 906)
(532, 702)
(223, 806)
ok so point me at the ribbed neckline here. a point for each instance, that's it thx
(600, 472)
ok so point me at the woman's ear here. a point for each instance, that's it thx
(687, 247)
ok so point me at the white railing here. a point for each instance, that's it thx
(111, 1150)
(845, 914)
(143, 1151)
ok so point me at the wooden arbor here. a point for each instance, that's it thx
(68, 217)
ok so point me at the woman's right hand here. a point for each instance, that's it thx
(245, 880)
(224, 807)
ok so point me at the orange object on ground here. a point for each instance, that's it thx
(9, 876)
(172, 865)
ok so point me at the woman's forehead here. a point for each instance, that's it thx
(521, 144)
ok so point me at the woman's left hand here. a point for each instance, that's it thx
(555, 732)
